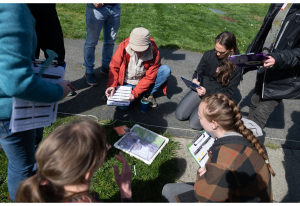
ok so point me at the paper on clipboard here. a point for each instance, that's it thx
(199, 147)
(28, 115)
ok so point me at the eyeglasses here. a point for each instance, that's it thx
(221, 53)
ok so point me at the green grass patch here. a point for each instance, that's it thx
(146, 185)
(191, 27)
(272, 146)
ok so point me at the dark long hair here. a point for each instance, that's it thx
(228, 40)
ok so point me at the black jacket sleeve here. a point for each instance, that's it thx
(231, 87)
(286, 59)
(201, 66)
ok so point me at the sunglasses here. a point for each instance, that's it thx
(221, 53)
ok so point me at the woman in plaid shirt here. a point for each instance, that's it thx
(238, 168)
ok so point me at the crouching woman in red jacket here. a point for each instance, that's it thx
(137, 64)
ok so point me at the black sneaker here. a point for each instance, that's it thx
(104, 70)
(152, 102)
(91, 79)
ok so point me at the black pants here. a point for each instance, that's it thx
(261, 109)
(48, 30)
(188, 109)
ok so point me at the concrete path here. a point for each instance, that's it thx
(282, 127)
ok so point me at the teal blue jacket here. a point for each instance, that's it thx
(17, 47)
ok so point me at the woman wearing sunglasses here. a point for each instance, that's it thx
(215, 73)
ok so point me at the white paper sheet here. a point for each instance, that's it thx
(28, 115)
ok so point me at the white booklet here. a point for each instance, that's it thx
(28, 115)
(142, 143)
(120, 96)
(199, 147)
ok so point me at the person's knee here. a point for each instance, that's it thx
(90, 43)
(195, 124)
(180, 115)
(164, 70)
(166, 192)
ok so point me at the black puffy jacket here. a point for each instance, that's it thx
(286, 52)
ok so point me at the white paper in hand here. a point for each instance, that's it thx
(120, 96)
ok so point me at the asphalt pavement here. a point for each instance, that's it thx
(282, 126)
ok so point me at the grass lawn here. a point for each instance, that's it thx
(146, 185)
(190, 27)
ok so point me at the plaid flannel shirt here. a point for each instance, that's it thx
(235, 173)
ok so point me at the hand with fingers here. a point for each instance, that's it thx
(269, 63)
(201, 91)
(109, 91)
(98, 5)
(65, 85)
(196, 81)
(131, 97)
(124, 179)
(201, 171)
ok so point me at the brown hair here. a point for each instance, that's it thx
(226, 39)
(64, 158)
(222, 109)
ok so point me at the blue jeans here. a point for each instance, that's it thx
(164, 71)
(20, 150)
(107, 18)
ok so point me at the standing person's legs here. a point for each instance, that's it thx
(170, 190)
(110, 30)
(95, 19)
(261, 109)
(187, 105)
(19, 148)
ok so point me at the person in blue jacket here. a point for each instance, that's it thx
(18, 43)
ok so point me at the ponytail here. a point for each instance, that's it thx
(37, 189)
(225, 111)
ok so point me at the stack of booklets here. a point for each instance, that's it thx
(199, 147)
(120, 97)
(142, 143)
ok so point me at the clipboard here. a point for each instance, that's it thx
(190, 84)
(248, 59)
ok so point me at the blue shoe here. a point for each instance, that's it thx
(91, 79)
(104, 70)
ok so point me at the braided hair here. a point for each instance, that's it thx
(222, 109)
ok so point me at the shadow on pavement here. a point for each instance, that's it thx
(154, 116)
(168, 54)
(87, 99)
(291, 167)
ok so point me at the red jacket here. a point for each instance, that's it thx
(120, 62)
